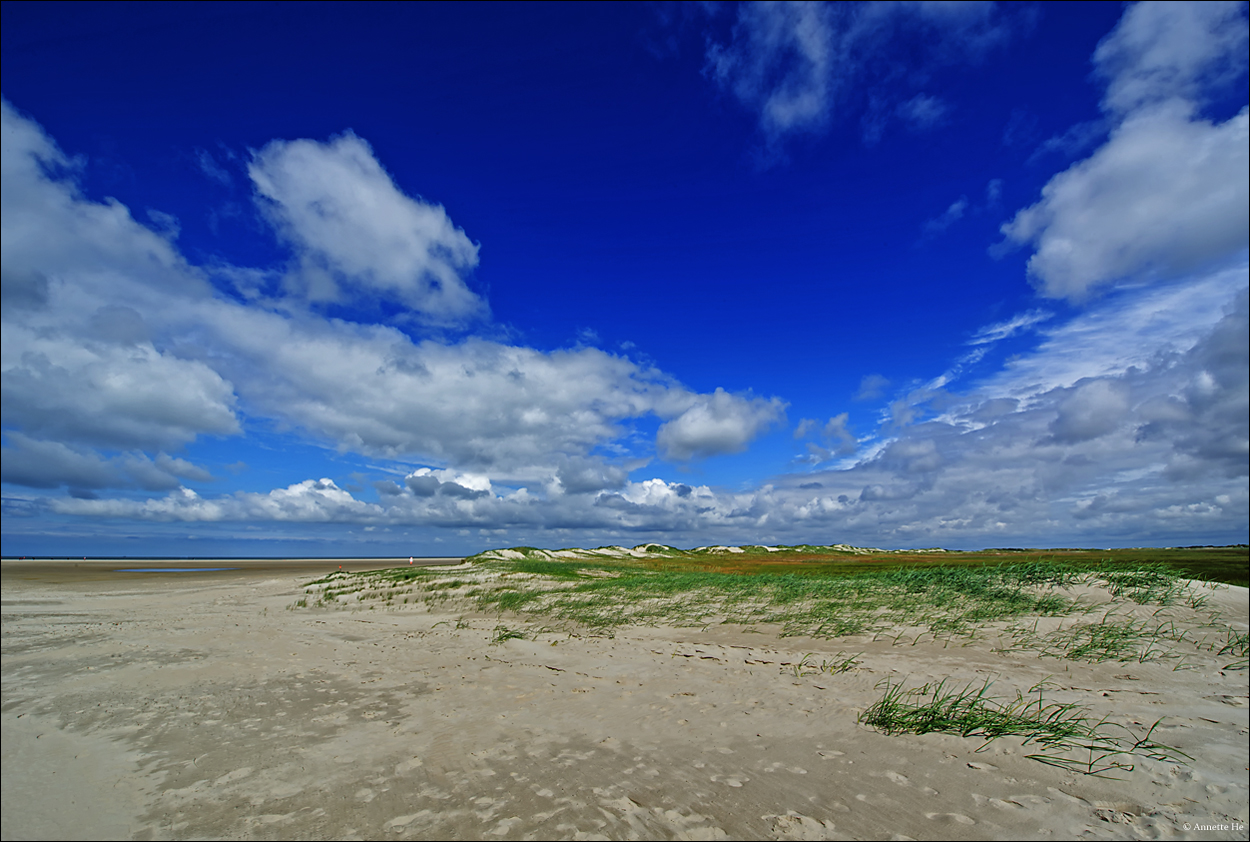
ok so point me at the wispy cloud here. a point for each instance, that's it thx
(1002, 330)
(780, 63)
(961, 207)
(1121, 333)
(923, 112)
(1073, 141)
(209, 166)
(835, 438)
(871, 387)
(795, 64)
(947, 218)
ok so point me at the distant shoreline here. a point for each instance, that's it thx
(62, 570)
(182, 558)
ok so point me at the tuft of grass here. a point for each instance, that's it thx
(1106, 640)
(502, 633)
(1152, 584)
(836, 665)
(1113, 638)
(1066, 736)
(839, 664)
(1236, 644)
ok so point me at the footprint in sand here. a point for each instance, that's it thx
(672, 823)
(903, 780)
(1115, 816)
(231, 777)
(400, 822)
(1119, 809)
(647, 771)
(949, 818)
(504, 826)
(408, 765)
(1070, 799)
(797, 826)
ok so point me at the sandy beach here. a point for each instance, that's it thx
(199, 705)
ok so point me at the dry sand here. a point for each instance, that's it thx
(200, 705)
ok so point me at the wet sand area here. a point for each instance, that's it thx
(209, 704)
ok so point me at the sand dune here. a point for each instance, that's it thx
(205, 706)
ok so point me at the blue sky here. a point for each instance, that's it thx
(426, 279)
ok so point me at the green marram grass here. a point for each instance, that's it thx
(1065, 735)
(607, 595)
(600, 590)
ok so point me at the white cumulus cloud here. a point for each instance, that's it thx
(107, 395)
(1162, 50)
(1167, 194)
(78, 360)
(49, 464)
(354, 229)
(716, 424)
(116, 349)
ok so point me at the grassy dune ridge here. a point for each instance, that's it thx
(1072, 604)
(1093, 606)
(1229, 564)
